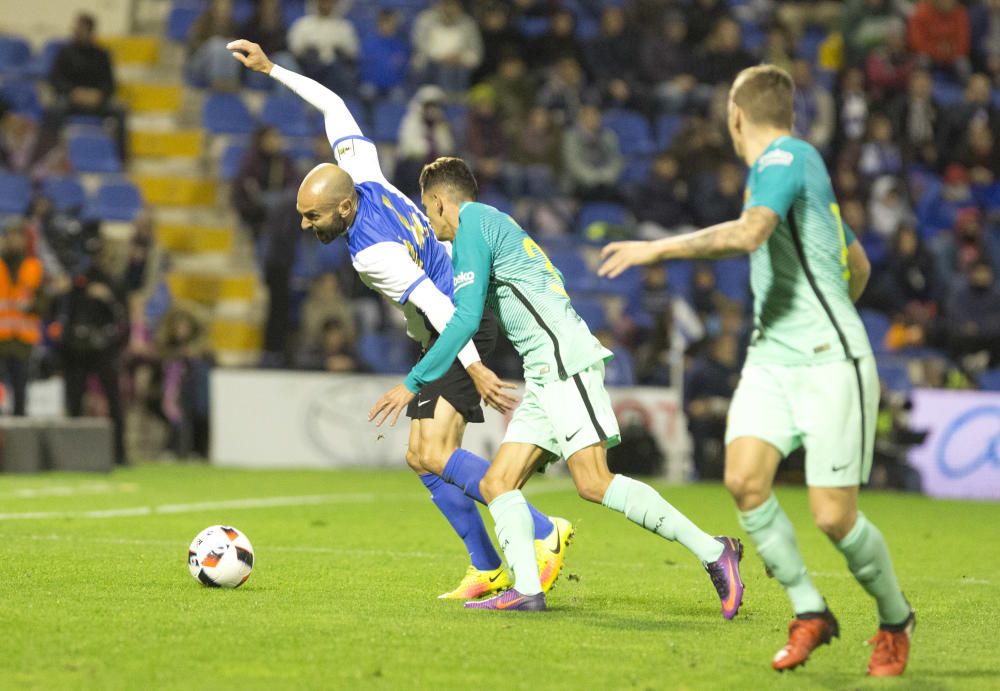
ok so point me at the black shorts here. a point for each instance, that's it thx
(455, 385)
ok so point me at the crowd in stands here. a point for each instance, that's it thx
(590, 120)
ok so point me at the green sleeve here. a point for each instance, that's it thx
(775, 181)
(472, 260)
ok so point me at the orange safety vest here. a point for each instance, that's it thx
(17, 323)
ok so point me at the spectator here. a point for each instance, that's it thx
(384, 62)
(326, 301)
(537, 143)
(620, 370)
(424, 135)
(977, 104)
(447, 45)
(611, 55)
(591, 157)
(265, 173)
(500, 38)
(558, 43)
(880, 155)
(777, 48)
(979, 154)
(63, 242)
(797, 14)
(720, 197)
(209, 62)
(702, 18)
(486, 141)
(20, 281)
(722, 56)
(665, 62)
(909, 276)
(814, 107)
(183, 346)
(888, 207)
(852, 112)
(707, 300)
(854, 217)
(661, 202)
(335, 352)
(564, 90)
(83, 82)
(708, 392)
(282, 231)
(916, 119)
(888, 67)
(984, 26)
(514, 87)
(94, 336)
(867, 26)
(700, 148)
(266, 27)
(968, 244)
(846, 183)
(326, 45)
(939, 35)
(972, 317)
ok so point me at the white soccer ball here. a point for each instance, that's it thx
(220, 556)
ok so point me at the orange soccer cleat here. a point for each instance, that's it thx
(806, 632)
(892, 649)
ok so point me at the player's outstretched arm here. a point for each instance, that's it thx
(339, 121)
(729, 239)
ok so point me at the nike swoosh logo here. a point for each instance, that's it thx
(731, 599)
(570, 436)
(838, 468)
(494, 578)
(558, 542)
(512, 603)
(422, 403)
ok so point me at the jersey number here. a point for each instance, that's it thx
(835, 210)
(532, 249)
(415, 226)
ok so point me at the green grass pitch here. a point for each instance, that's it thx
(95, 591)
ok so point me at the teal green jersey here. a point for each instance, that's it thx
(803, 313)
(497, 265)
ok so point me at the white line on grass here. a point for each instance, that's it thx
(252, 503)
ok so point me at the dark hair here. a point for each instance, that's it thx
(87, 20)
(765, 94)
(450, 172)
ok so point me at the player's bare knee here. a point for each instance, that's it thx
(593, 485)
(413, 460)
(835, 522)
(744, 487)
(492, 486)
(433, 457)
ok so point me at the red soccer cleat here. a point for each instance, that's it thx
(892, 649)
(806, 632)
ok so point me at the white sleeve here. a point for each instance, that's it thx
(389, 269)
(438, 309)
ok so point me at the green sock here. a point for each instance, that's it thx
(869, 561)
(516, 532)
(773, 535)
(643, 505)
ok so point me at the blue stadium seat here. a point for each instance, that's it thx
(495, 199)
(601, 212)
(292, 10)
(94, 153)
(287, 112)
(386, 119)
(66, 193)
(182, 16)
(895, 374)
(632, 128)
(877, 326)
(114, 201)
(15, 193)
(679, 275)
(592, 311)
(357, 109)
(14, 54)
(636, 171)
(732, 278)
(226, 114)
(946, 93)
(232, 157)
(990, 380)
(532, 27)
(754, 37)
(39, 66)
(23, 98)
(572, 266)
(810, 42)
(667, 127)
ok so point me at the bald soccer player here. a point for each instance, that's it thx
(396, 254)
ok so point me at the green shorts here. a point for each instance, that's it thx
(829, 409)
(565, 416)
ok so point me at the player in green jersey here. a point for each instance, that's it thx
(565, 410)
(809, 378)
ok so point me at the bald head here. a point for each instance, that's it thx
(327, 201)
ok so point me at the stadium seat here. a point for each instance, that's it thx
(679, 274)
(386, 119)
(39, 66)
(14, 54)
(576, 275)
(23, 98)
(495, 199)
(231, 159)
(94, 153)
(990, 380)
(226, 114)
(592, 311)
(667, 127)
(531, 27)
(357, 109)
(754, 37)
(636, 171)
(15, 193)
(601, 212)
(946, 93)
(66, 193)
(115, 201)
(632, 128)
(287, 112)
(732, 278)
(292, 10)
(810, 42)
(180, 20)
(896, 375)
(877, 326)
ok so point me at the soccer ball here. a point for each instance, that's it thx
(220, 556)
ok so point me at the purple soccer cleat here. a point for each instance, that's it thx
(511, 600)
(725, 573)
